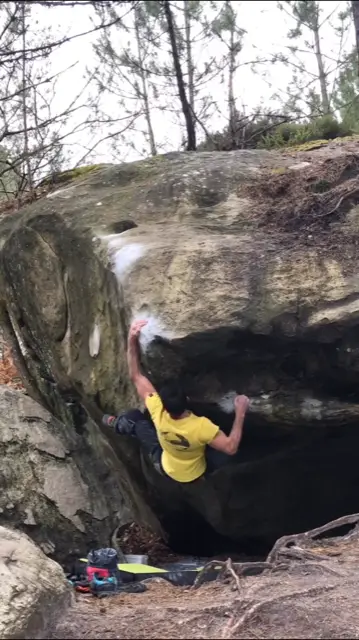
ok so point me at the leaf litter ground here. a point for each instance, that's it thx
(307, 588)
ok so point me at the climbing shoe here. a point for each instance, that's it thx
(109, 421)
(125, 423)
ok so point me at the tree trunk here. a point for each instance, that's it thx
(231, 100)
(23, 95)
(143, 75)
(231, 72)
(355, 10)
(321, 71)
(190, 66)
(186, 108)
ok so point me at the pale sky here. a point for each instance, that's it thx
(267, 29)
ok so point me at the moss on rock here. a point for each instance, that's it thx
(63, 177)
(308, 146)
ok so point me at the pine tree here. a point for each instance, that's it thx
(123, 74)
(346, 95)
(312, 89)
(226, 28)
(355, 11)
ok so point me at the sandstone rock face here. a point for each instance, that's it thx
(245, 265)
(57, 489)
(34, 591)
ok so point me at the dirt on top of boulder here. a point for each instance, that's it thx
(306, 196)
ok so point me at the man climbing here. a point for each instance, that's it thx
(178, 443)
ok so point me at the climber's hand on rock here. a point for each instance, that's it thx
(241, 404)
(136, 327)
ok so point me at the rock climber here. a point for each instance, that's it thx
(177, 444)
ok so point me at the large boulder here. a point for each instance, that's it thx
(245, 265)
(34, 590)
(63, 492)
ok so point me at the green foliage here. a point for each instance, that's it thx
(346, 95)
(291, 134)
(305, 12)
(264, 133)
(226, 22)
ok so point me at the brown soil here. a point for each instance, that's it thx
(164, 611)
(310, 591)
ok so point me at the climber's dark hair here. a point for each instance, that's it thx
(173, 398)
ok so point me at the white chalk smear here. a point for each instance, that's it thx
(116, 241)
(94, 341)
(67, 192)
(226, 403)
(311, 408)
(153, 328)
(126, 257)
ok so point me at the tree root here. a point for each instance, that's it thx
(236, 570)
(285, 543)
(229, 568)
(287, 546)
(249, 611)
(301, 554)
(114, 544)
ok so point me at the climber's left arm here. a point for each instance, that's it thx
(143, 385)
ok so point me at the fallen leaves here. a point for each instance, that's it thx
(9, 374)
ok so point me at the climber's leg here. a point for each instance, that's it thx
(133, 423)
(146, 434)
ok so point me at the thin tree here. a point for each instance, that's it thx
(226, 28)
(185, 104)
(308, 16)
(355, 11)
(187, 9)
(29, 175)
(139, 20)
(123, 76)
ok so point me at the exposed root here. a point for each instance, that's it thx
(249, 611)
(289, 547)
(346, 195)
(302, 554)
(230, 569)
(282, 545)
(236, 570)
(114, 544)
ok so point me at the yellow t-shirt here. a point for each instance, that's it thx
(183, 441)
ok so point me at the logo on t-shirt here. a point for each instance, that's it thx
(181, 442)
